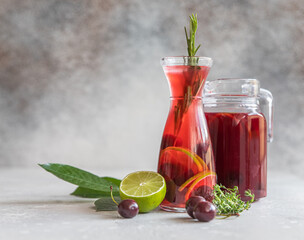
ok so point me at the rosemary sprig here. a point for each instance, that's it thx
(228, 201)
(191, 38)
(194, 82)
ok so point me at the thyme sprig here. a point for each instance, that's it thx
(228, 201)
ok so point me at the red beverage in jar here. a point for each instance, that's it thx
(238, 131)
(186, 157)
(239, 145)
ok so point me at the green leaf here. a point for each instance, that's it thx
(106, 204)
(87, 193)
(81, 178)
(90, 193)
(115, 181)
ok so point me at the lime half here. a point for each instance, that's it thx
(147, 188)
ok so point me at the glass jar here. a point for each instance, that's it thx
(239, 115)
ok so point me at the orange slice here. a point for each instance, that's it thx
(201, 165)
(203, 178)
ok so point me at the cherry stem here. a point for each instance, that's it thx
(111, 188)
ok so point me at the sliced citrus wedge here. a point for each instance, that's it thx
(206, 178)
(194, 178)
(147, 188)
(201, 165)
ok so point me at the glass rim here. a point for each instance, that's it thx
(184, 60)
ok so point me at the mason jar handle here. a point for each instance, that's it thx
(266, 105)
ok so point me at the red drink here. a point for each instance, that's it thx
(186, 157)
(239, 143)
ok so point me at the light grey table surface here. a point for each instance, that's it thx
(36, 205)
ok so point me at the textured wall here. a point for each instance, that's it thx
(81, 83)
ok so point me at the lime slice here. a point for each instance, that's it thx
(147, 188)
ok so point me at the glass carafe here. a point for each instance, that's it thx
(186, 158)
(239, 115)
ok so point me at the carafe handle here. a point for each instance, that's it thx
(266, 105)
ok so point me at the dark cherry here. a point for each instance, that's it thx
(176, 172)
(128, 208)
(205, 192)
(204, 211)
(201, 149)
(169, 140)
(171, 189)
(191, 204)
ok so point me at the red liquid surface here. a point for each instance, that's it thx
(239, 145)
(186, 157)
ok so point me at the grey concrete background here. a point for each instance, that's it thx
(81, 83)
